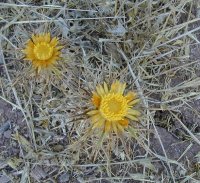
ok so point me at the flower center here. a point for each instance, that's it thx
(113, 107)
(43, 51)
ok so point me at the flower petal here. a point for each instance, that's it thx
(96, 99)
(107, 126)
(54, 42)
(134, 102)
(124, 122)
(133, 112)
(120, 128)
(93, 112)
(100, 90)
(134, 118)
(105, 87)
(130, 96)
(99, 124)
(47, 37)
(115, 86)
(34, 38)
(122, 88)
(96, 118)
(114, 126)
(118, 87)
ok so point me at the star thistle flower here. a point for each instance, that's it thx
(114, 110)
(42, 51)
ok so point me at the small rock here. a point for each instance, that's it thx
(38, 173)
(63, 178)
(4, 179)
(4, 127)
(119, 30)
(7, 134)
(58, 148)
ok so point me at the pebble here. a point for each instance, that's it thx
(7, 134)
(5, 127)
(64, 178)
(4, 179)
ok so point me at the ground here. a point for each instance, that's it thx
(153, 46)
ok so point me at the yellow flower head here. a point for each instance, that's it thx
(42, 51)
(113, 108)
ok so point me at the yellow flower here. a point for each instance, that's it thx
(113, 110)
(42, 51)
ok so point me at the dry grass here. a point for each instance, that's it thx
(143, 43)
